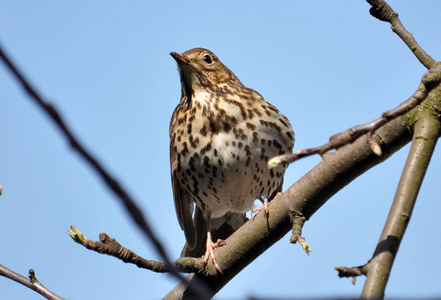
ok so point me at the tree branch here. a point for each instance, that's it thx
(305, 197)
(122, 195)
(427, 132)
(31, 283)
(430, 80)
(108, 245)
(382, 11)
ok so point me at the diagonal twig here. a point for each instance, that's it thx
(31, 283)
(119, 191)
(382, 11)
(110, 246)
(430, 80)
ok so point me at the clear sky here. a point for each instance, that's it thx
(106, 67)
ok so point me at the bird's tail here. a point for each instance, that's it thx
(221, 228)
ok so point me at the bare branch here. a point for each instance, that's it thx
(110, 246)
(430, 80)
(427, 132)
(304, 198)
(382, 11)
(353, 272)
(31, 283)
(112, 183)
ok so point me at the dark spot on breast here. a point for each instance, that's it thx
(214, 171)
(191, 164)
(283, 122)
(273, 109)
(194, 143)
(257, 112)
(255, 137)
(227, 126)
(250, 126)
(277, 145)
(203, 130)
(212, 127)
(184, 151)
(248, 150)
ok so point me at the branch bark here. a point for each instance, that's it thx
(31, 283)
(383, 12)
(427, 132)
(305, 197)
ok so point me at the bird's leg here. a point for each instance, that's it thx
(211, 246)
(264, 206)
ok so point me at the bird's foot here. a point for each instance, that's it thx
(209, 253)
(264, 207)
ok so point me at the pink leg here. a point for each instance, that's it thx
(264, 207)
(211, 246)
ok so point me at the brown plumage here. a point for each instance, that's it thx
(221, 137)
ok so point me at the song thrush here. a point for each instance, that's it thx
(221, 137)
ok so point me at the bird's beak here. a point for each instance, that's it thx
(179, 58)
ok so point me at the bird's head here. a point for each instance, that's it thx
(201, 69)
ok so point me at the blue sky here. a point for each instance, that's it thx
(106, 67)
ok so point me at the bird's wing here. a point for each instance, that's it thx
(183, 203)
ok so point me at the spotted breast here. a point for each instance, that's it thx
(221, 137)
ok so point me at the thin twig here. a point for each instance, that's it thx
(113, 184)
(31, 283)
(110, 246)
(350, 135)
(382, 11)
(353, 272)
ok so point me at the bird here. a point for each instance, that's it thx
(222, 135)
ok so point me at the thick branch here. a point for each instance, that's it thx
(306, 196)
(31, 283)
(427, 131)
(382, 11)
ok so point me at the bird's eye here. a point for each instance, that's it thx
(207, 59)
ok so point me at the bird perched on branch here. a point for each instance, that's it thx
(221, 137)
